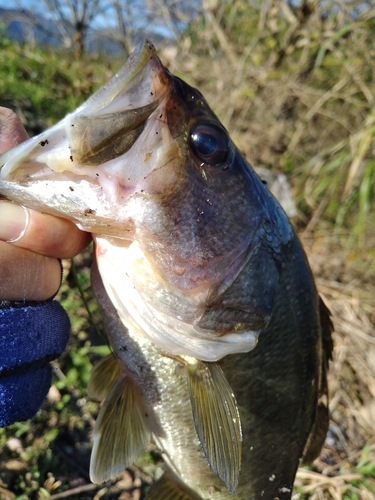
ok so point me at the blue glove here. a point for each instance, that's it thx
(31, 335)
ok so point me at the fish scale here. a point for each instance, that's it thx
(220, 341)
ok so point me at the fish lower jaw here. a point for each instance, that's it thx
(83, 203)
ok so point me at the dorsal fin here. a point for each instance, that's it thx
(121, 431)
(216, 420)
(327, 329)
(320, 427)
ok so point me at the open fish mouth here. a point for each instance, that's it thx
(91, 152)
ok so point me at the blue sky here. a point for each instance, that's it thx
(38, 7)
(102, 21)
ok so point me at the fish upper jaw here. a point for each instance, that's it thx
(89, 165)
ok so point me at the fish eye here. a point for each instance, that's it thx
(210, 143)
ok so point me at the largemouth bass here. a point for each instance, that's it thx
(220, 341)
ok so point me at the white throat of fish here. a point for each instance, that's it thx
(167, 316)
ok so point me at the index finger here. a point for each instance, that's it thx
(41, 233)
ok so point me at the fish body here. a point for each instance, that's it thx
(212, 313)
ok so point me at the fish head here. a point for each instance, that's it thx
(146, 165)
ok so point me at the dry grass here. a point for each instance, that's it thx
(346, 466)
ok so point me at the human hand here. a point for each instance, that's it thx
(33, 330)
(31, 242)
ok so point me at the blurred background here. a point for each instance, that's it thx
(294, 83)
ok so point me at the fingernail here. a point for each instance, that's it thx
(13, 221)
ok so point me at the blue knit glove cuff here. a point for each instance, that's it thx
(31, 335)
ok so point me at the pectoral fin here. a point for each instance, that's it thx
(168, 488)
(103, 377)
(217, 420)
(121, 431)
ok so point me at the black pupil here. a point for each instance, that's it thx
(210, 143)
(206, 144)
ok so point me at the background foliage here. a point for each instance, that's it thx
(294, 84)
